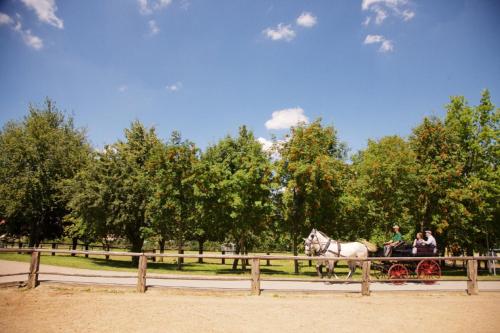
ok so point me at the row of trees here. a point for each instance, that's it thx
(443, 177)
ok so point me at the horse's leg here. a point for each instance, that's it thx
(330, 268)
(319, 269)
(351, 269)
(334, 263)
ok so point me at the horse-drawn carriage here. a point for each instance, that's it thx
(399, 271)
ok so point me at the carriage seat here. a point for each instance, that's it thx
(397, 250)
(401, 249)
(426, 251)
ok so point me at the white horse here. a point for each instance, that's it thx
(319, 244)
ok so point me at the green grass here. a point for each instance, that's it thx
(278, 268)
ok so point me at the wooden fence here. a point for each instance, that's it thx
(255, 276)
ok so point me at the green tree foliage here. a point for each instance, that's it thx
(36, 156)
(112, 194)
(311, 172)
(236, 192)
(173, 204)
(381, 189)
(475, 130)
(458, 174)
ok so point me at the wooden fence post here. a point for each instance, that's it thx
(268, 262)
(54, 246)
(86, 249)
(34, 268)
(141, 274)
(365, 284)
(223, 260)
(472, 288)
(153, 258)
(255, 276)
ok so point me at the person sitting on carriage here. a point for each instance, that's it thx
(395, 241)
(417, 243)
(431, 241)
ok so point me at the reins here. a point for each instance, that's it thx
(327, 246)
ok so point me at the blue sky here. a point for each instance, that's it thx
(371, 68)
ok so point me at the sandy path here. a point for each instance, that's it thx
(64, 309)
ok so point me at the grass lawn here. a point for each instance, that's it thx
(278, 268)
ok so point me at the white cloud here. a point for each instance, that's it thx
(32, 40)
(385, 44)
(307, 20)
(153, 27)
(408, 15)
(370, 39)
(123, 88)
(174, 87)
(46, 11)
(380, 16)
(5, 19)
(267, 145)
(27, 36)
(147, 7)
(367, 20)
(286, 118)
(382, 9)
(366, 4)
(281, 32)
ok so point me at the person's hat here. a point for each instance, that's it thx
(428, 232)
(395, 226)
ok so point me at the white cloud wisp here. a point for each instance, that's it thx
(147, 7)
(385, 44)
(29, 39)
(281, 32)
(153, 27)
(286, 118)
(382, 9)
(307, 20)
(46, 11)
(174, 87)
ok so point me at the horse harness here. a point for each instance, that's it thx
(327, 246)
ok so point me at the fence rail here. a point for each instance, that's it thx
(255, 275)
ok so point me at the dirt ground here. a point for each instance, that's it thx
(79, 309)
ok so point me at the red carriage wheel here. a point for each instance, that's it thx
(398, 273)
(428, 270)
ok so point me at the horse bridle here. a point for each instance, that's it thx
(327, 244)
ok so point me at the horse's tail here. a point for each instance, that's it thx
(370, 246)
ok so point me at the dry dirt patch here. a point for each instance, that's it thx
(70, 309)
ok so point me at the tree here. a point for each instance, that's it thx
(475, 131)
(383, 179)
(173, 205)
(112, 193)
(36, 156)
(238, 189)
(310, 170)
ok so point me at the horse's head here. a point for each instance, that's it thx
(311, 244)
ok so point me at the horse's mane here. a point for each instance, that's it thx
(322, 234)
(370, 246)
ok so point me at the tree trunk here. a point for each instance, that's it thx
(161, 243)
(180, 261)
(74, 244)
(200, 249)
(136, 247)
(235, 261)
(295, 262)
(243, 261)
(33, 238)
